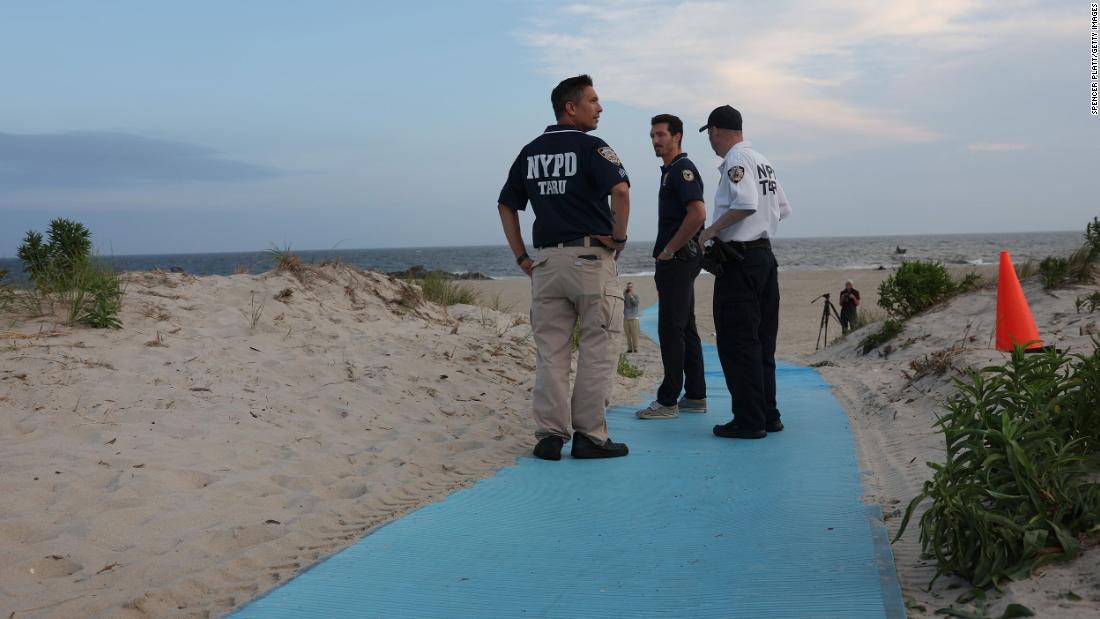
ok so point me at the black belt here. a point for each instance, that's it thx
(584, 241)
(744, 245)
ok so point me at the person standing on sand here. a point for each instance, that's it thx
(630, 318)
(680, 216)
(567, 175)
(748, 206)
(849, 301)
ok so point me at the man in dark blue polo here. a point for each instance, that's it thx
(567, 176)
(680, 216)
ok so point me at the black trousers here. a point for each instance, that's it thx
(746, 320)
(681, 350)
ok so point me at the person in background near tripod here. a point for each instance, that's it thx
(747, 208)
(680, 216)
(849, 301)
(630, 317)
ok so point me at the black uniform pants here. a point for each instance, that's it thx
(746, 321)
(681, 350)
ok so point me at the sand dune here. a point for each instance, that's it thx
(193, 460)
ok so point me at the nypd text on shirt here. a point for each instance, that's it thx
(767, 178)
(551, 167)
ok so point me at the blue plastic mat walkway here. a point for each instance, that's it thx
(688, 525)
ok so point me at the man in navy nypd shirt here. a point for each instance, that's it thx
(567, 176)
(680, 216)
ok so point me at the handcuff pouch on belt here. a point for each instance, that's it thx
(717, 255)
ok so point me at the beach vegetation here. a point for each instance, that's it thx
(1078, 268)
(1026, 270)
(1091, 301)
(628, 369)
(973, 281)
(96, 298)
(256, 312)
(7, 295)
(63, 271)
(445, 292)
(890, 329)
(285, 261)
(67, 244)
(1053, 272)
(1017, 488)
(866, 316)
(916, 286)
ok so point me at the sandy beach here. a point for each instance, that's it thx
(238, 429)
(799, 318)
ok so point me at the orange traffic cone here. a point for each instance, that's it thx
(1014, 322)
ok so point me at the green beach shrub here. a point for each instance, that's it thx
(1053, 272)
(1078, 268)
(891, 328)
(63, 270)
(628, 369)
(1017, 484)
(915, 287)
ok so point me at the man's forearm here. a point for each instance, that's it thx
(731, 217)
(509, 219)
(620, 210)
(694, 219)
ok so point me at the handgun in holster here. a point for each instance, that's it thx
(717, 255)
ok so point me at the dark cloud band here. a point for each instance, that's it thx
(93, 159)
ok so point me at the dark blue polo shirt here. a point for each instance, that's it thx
(567, 175)
(680, 184)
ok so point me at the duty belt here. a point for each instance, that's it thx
(745, 245)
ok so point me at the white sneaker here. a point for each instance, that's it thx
(656, 410)
(689, 405)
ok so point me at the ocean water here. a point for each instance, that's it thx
(497, 262)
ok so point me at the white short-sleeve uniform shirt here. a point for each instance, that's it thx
(748, 183)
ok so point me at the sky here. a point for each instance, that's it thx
(209, 126)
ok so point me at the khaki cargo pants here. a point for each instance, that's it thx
(568, 283)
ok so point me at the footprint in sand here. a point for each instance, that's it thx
(53, 566)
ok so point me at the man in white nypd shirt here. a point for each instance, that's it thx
(748, 206)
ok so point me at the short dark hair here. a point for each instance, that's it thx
(675, 125)
(569, 89)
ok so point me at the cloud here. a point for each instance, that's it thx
(985, 147)
(107, 160)
(797, 66)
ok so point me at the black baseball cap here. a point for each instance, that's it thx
(724, 117)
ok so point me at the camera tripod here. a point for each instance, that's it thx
(826, 309)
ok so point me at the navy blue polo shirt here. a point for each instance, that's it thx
(680, 184)
(567, 175)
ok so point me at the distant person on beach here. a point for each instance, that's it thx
(630, 318)
(680, 216)
(849, 301)
(748, 205)
(567, 175)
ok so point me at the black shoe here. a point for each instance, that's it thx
(774, 426)
(585, 448)
(549, 448)
(732, 430)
